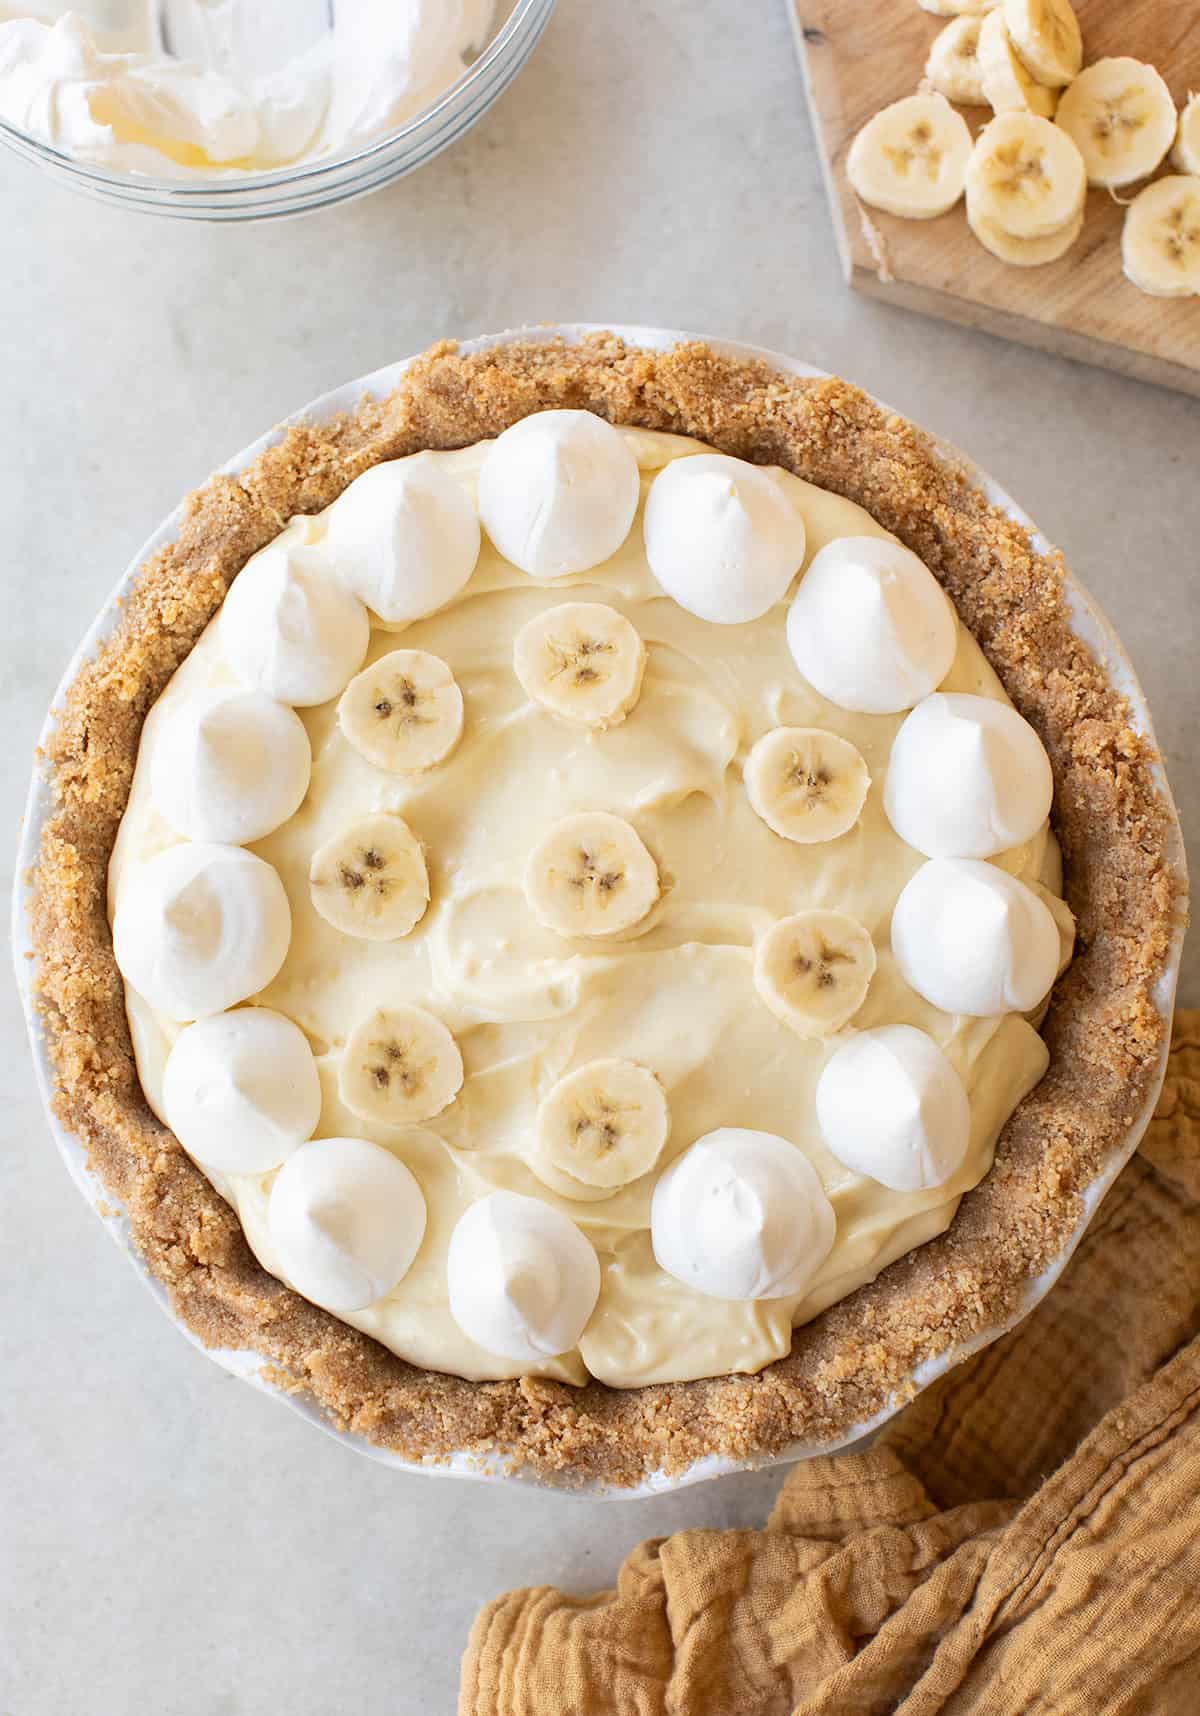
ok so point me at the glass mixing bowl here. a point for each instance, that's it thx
(313, 184)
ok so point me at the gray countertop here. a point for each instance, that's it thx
(172, 1541)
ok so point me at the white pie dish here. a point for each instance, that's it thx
(1089, 624)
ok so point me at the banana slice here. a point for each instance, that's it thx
(910, 159)
(582, 660)
(1160, 244)
(1046, 35)
(957, 8)
(370, 881)
(1025, 176)
(600, 1127)
(806, 784)
(1024, 252)
(399, 1067)
(953, 65)
(813, 970)
(1006, 85)
(1122, 118)
(591, 876)
(404, 713)
(1186, 153)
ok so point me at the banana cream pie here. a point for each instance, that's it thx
(587, 913)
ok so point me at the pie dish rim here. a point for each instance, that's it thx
(1086, 620)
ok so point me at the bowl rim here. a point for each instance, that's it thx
(1090, 624)
(481, 83)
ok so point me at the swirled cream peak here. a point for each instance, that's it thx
(200, 928)
(231, 767)
(248, 85)
(241, 1090)
(405, 538)
(968, 777)
(742, 1215)
(724, 538)
(891, 1106)
(972, 939)
(289, 627)
(522, 1278)
(558, 491)
(346, 1219)
(870, 627)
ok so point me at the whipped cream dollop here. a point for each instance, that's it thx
(346, 1219)
(241, 1090)
(723, 537)
(972, 939)
(405, 538)
(558, 491)
(231, 767)
(522, 1278)
(246, 86)
(870, 626)
(742, 1215)
(891, 1106)
(289, 627)
(201, 927)
(968, 777)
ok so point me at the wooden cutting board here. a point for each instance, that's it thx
(859, 55)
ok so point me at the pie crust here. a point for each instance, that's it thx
(1103, 1030)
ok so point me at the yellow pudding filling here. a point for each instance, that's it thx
(674, 992)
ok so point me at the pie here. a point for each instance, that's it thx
(582, 888)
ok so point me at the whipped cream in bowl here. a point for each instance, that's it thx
(211, 109)
(617, 1229)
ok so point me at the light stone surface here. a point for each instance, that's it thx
(173, 1541)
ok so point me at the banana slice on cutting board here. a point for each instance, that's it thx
(404, 713)
(1186, 153)
(400, 1066)
(1046, 35)
(1024, 252)
(1120, 114)
(1007, 86)
(591, 876)
(910, 159)
(581, 660)
(806, 784)
(952, 68)
(957, 8)
(600, 1127)
(370, 881)
(1025, 176)
(1160, 243)
(813, 970)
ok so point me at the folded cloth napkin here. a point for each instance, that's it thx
(1023, 1540)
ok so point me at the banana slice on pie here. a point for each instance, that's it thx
(911, 158)
(1046, 35)
(404, 713)
(400, 1066)
(1006, 84)
(1160, 243)
(813, 970)
(806, 784)
(591, 876)
(581, 660)
(1120, 115)
(370, 881)
(1025, 176)
(601, 1127)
